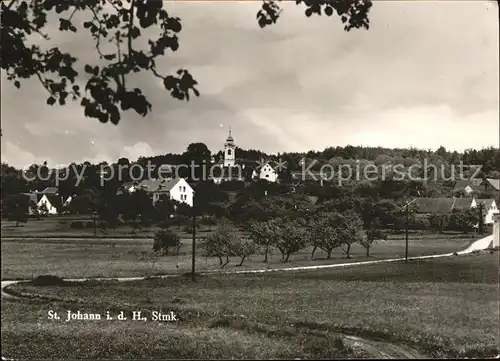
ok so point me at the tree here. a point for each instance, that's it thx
(33, 209)
(136, 209)
(349, 227)
(263, 234)
(464, 220)
(84, 203)
(371, 236)
(291, 238)
(218, 244)
(243, 248)
(108, 215)
(324, 234)
(164, 240)
(439, 221)
(15, 208)
(164, 208)
(108, 91)
(44, 211)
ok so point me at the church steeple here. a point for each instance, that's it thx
(230, 137)
(229, 150)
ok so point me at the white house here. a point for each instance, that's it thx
(176, 189)
(52, 203)
(496, 230)
(50, 198)
(266, 171)
(489, 209)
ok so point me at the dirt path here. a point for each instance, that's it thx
(382, 349)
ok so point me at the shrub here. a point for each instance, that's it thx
(89, 224)
(187, 229)
(76, 225)
(164, 224)
(164, 240)
(103, 224)
(48, 280)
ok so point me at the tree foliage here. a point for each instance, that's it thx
(107, 91)
(290, 237)
(15, 208)
(243, 248)
(219, 242)
(263, 234)
(164, 240)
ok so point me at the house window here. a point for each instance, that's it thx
(229, 152)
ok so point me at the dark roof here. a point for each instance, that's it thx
(54, 200)
(158, 185)
(442, 205)
(434, 205)
(50, 190)
(473, 183)
(462, 203)
(486, 202)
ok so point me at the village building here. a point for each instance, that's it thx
(177, 189)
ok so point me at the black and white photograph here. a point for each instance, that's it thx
(254, 179)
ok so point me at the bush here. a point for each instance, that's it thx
(103, 225)
(89, 224)
(164, 240)
(77, 225)
(62, 222)
(164, 224)
(187, 229)
(48, 280)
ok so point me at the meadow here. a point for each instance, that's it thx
(26, 258)
(447, 307)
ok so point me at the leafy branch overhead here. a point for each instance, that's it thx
(119, 25)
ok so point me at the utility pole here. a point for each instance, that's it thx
(94, 216)
(407, 217)
(406, 232)
(193, 264)
(481, 220)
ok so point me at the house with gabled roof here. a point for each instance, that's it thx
(434, 205)
(493, 183)
(448, 205)
(52, 202)
(489, 209)
(466, 187)
(267, 170)
(176, 189)
(49, 198)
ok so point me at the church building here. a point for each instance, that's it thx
(231, 168)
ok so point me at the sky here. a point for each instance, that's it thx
(425, 74)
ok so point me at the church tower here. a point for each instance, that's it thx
(229, 151)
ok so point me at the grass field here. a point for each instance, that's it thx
(89, 257)
(59, 226)
(437, 308)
